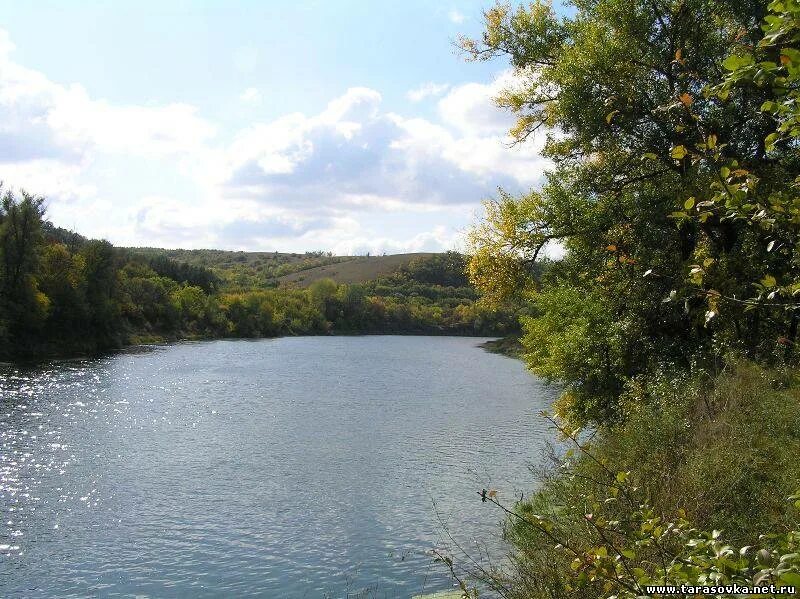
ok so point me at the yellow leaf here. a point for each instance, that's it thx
(679, 55)
(611, 248)
(686, 99)
(492, 494)
(785, 59)
(678, 152)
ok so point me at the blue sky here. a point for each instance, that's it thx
(345, 126)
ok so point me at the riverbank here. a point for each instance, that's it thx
(508, 346)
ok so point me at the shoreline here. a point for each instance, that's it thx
(509, 346)
(144, 342)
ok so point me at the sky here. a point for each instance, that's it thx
(346, 126)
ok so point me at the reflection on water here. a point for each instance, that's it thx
(295, 467)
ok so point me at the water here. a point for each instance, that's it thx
(294, 467)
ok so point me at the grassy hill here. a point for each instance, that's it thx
(357, 269)
(257, 270)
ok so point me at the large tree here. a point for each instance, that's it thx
(22, 306)
(648, 151)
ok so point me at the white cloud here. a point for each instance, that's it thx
(58, 182)
(354, 149)
(251, 96)
(343, 179)
(66, 122)
(455, 16)
(427, 90)
(470, 107)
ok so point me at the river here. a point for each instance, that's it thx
(289, 468)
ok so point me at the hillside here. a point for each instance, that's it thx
(256, 270)
(353, 270)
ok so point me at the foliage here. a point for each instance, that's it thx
(23, 307)
(446, 270)
(672, 317)
(651, 500)
(638, 136)
(190, 274)
(621, 557)
(61, 293)
(235, 271)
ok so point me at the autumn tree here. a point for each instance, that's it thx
(626, 94)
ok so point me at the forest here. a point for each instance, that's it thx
(671, 321)
(62, 294)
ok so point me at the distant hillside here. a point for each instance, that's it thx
(226, 259)
(257, 270)
(352, 269)
(244, 270)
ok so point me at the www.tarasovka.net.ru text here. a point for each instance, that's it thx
(724, 589)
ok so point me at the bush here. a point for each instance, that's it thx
(721, 453)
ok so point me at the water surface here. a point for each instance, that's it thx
(293, 467)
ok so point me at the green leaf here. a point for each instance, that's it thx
(734, 63)
(769, 106)
(790, 578)
(769, 281)
(770, 140)
(689, 204)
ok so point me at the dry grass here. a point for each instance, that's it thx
(357, 270)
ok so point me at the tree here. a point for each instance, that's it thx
(447, 269)
(23, 307)
(101, 291)
(623, 91)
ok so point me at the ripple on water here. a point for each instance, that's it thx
(292, 467)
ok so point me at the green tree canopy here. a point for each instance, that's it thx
(625, 93)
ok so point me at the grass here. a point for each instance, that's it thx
(352, 270)
(721, 452)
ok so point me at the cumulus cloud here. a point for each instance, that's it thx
(64, 121)
(470, 107)
(341, 179)
(354, 149)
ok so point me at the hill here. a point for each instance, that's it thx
(352, 270)
(258, 270)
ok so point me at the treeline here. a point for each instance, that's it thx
(61, 294)
(671, 321)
